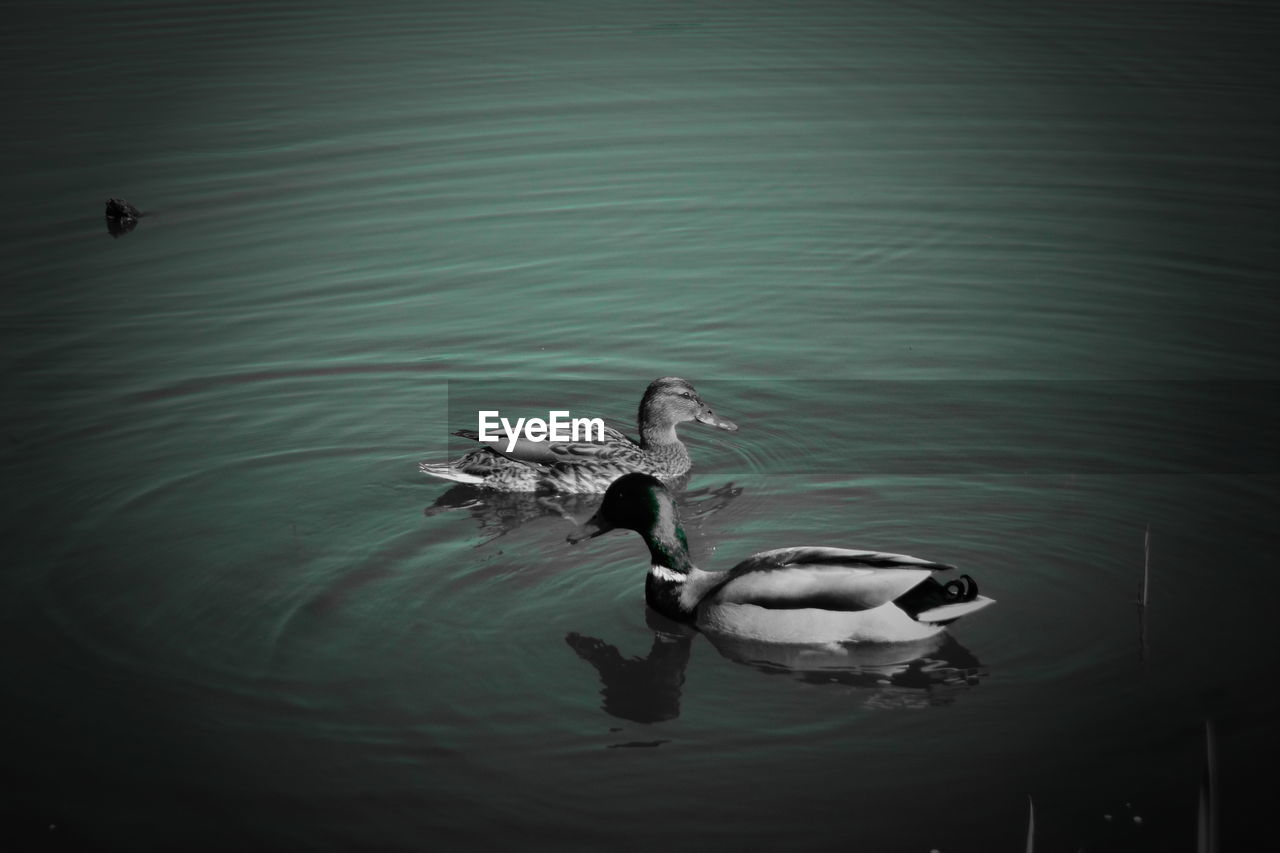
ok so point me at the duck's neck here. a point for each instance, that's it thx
(656, 433)
(669, 549)
(665, 585)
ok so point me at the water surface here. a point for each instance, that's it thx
(987, 282)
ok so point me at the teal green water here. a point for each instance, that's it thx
(989, 283)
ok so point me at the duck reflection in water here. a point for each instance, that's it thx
(499, 513)
(641, 689)
(897, 675)
(917, 674)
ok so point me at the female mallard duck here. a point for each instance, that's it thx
(791, 595)
(588, 466)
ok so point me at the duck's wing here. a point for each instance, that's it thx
(553, 452)
(820, 577)
(819, 555)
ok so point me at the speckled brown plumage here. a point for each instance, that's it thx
(589, 467)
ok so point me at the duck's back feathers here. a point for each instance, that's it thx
(549, 452)
(573, 467)
(819, 555)
(487, 467)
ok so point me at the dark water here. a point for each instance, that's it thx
(986, 282)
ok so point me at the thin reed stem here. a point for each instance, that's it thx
(1146, 564)
(1031, 825)
(1207, 826)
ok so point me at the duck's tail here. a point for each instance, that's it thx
(446, 471)
(940, 603)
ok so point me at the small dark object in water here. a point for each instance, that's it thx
(118, 208)
(122, 217)
(120, 227)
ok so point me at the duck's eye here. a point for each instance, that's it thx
(688, 395)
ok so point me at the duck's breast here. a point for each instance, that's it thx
(884, 624)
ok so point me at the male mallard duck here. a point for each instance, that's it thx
(588, 466)
(791, 595)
